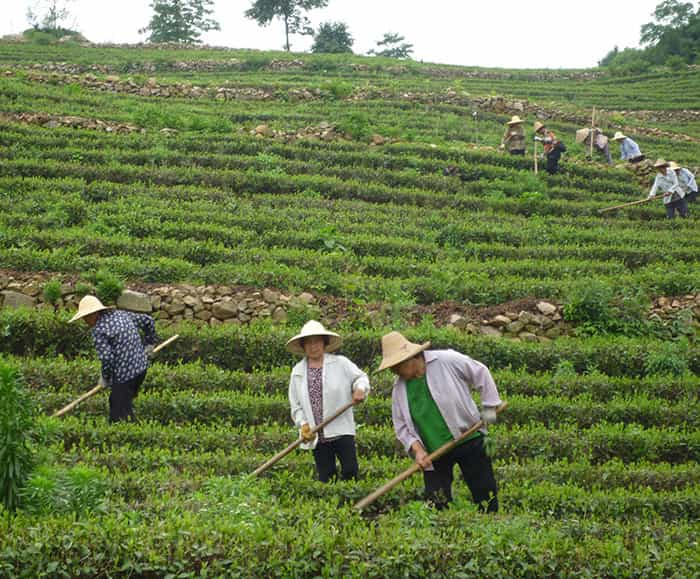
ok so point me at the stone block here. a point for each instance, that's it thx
(13, 299)
(225, 310)
(491, 331)
(546, 308)
(134, 302)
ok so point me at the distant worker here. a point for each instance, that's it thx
(514, 138)
(600, 142)
(686, 180)
(666, 183)
(553, 147)
(629, 150)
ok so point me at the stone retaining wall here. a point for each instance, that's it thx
(214, 305)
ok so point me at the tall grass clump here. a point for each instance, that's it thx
(16, 428)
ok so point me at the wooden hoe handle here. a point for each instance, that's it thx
(445, 448)
(99, 387)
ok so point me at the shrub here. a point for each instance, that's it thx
(52, 292)
(108, 287)
(589, 304)
(56, 490)
(16, 427)
(356, 125)
(669, 360)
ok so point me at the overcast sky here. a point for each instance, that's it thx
(495, 33)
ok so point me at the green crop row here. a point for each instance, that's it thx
(600, 443)
(261, 345)
(74, 376)
(185, 406)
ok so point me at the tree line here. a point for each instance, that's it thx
(671, 39)
(184, 22)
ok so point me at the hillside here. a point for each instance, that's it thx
(240, 193)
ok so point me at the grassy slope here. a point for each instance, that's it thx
(599, 475)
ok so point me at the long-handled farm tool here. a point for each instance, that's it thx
(280, 455)
(99, 387)
(445, 448)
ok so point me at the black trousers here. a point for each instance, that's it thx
(121, 399)
(477, 472)
(326, 452)
(552, 166)
(679, 205)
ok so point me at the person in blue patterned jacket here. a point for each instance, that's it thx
(123, 353)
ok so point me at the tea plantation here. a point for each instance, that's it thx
(320, 174)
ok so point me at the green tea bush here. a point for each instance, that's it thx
(670, 359)
(588, 305)
(52, 292)
(108, 287)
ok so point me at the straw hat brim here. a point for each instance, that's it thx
(294, 344)
(397, 358)
(79, 315)
(518, 122)
(675, 166)
(661, 163)
(619, 137)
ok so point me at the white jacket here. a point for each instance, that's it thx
(340, 379)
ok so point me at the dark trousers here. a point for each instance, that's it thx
(326, 452)
(680, 205)
(121, 399)
(477, 472)
(691, 197)
(517, 151)
(552, 166)
(637, 159)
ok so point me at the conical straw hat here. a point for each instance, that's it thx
(396, 349)
(89, 305)
(537, 126)
(675, 166)
(582, 135)
(619, 136)
(313, 328)
(661, 163)
(516, 120)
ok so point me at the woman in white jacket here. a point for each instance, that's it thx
(319, 385)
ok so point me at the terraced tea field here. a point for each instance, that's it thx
(156, 182)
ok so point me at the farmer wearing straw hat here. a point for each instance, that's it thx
(600, 141)
(629, 150)
(431, 405)
(514, 138)
(319, 385)
(686, 180)
(666, 182)
(121, 350)
(553, 147)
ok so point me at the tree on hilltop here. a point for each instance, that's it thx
(48, 15)
(290, 11)
(180, 21)
(332, 37)
(673, 38)
(393, 46)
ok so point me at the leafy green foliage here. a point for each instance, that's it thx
(392, 45)
(16, 428)
(332, 37)
(79, 491)
(108, 287)
(52, 291)
(180, 21)
(289, 11)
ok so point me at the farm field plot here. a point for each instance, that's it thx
(333, 182)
